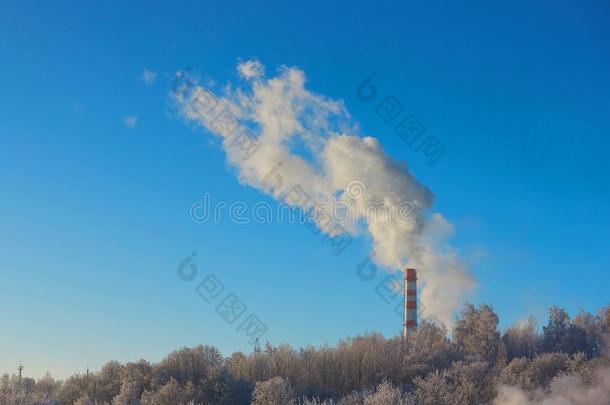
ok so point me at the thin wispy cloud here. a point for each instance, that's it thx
(149, 77)
(131, 121)
(251, 69)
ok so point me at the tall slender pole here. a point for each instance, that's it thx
(404, 322)
(410, 314)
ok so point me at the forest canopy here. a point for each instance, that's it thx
(566, 361)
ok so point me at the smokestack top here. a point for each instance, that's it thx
(410, 274)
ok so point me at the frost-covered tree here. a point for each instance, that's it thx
(592, 327)
(72, 389)
(108, 382)
(203, 366)
(476, 333)
(172, 393)
(538, 372)
(84, 401)
(561, 335)
(434, 389)
(473, 383)
(428, 349)
(135, 379)
(520, 340)
(47, 386)
(22, 397)
(275, 391)
(387, 394)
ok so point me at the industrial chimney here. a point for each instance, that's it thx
(410, 316)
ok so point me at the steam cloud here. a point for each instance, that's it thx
(308, 142)
(564, 390)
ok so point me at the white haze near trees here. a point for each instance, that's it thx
(309, 141)
(564, 390)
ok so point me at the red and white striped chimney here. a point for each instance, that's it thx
(410, 318)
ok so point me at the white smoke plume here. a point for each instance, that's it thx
(564, 390)
(303, 149)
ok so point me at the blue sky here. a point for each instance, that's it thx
(95, 214)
